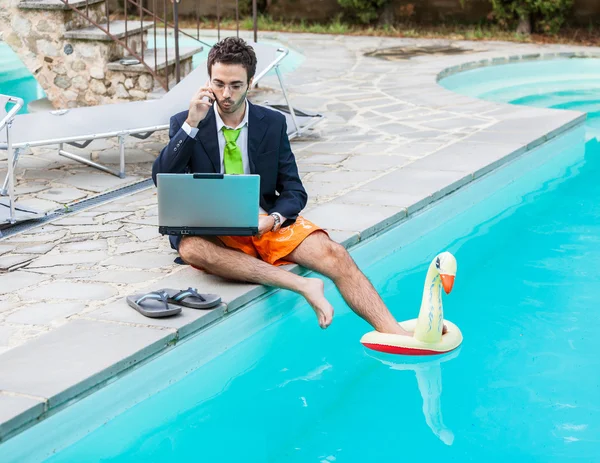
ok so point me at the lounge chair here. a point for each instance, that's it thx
(5, 126)
(80, 126)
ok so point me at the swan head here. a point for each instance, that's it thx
(445, 263)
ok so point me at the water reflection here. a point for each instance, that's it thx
(428, 371)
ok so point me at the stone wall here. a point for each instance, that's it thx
(123, 85)
(71, 72)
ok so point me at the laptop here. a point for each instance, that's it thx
(208, 204)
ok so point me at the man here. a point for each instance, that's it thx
(224, 133)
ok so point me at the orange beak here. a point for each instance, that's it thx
(447, 282)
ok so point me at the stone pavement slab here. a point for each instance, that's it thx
(4, 248)
(69, 259)
(367, 220)
(75, 357)
(98, 182)
(379, 198)
(376, 162)
(87, 245)
(62, 195)
(474, 158)
(77, 220)
(37, 249)
(15, 411)
(11, 261)
(125, 276)
(15, 281)
(421, 181)
(142, 260)
(104, 229)
(44, 313)
(186, 322)
(68, 290)
(54, 270)
(145, 233)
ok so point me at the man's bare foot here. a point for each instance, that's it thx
(399, 330)
(314, 293)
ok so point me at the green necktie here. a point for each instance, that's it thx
(232, 156)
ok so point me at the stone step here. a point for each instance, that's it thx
(117, 28)
(55, 4)
(161, 62)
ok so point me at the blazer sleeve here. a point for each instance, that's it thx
(175, 157)
(292, 195)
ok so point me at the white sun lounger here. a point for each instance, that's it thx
(5, 127)
(80, 126)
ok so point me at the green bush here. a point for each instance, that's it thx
(363, 11)
(546, 16)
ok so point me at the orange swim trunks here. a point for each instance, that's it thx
(272, 247)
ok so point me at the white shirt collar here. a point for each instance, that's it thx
(221, 124)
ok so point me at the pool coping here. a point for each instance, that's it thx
(23, 408)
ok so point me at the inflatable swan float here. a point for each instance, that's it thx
(427, 338)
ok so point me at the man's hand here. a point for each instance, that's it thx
(265, 224)
(199, 106)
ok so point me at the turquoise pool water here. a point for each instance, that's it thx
(15, 78)
(560, 84)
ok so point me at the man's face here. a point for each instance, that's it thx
(230, 85)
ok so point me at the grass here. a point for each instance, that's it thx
(456, 31)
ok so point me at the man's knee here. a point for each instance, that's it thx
(336, 254)
(194, 249)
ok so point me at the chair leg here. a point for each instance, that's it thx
(4, 189)
(287, 100)
(122, 156)
(75, 157)
(11, 175)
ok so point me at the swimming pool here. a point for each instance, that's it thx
(15, 78)
(267, 384)
(559, 83)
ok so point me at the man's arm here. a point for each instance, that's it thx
(292, 195)
(175, 157)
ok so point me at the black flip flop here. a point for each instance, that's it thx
(153, 305)
(191, 298)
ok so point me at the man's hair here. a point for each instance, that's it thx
(233, 50)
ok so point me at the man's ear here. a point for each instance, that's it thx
(250, 83)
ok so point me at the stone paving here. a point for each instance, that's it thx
(392, 142)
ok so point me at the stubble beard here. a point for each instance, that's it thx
(233, 108)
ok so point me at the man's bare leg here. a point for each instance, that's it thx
(319, 253)
(235, 265)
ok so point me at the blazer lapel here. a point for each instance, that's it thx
(257, 128)
(207, 136)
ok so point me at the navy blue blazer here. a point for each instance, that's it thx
(269, 153)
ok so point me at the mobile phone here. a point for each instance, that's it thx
(209, 99)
